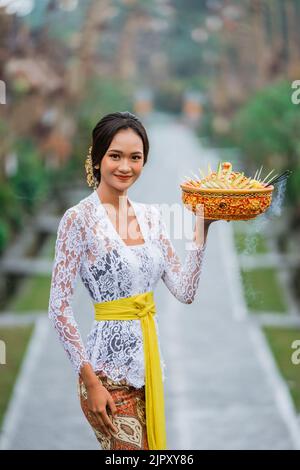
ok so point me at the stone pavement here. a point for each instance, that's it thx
(222, 388)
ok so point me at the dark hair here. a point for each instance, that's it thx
(105, 130)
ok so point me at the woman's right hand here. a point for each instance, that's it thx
(97, 399)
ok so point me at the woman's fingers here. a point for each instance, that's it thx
(112, 405)
(107, 422)
(216, 220)
(99, 399)
(104, 422)
(98, 417)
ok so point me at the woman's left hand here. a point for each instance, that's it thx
(210, 221)
(199, 236)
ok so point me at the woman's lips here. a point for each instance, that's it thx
(123, 177)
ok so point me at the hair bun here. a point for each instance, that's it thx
(128, 114)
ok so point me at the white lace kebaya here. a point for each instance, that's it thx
(87, 243)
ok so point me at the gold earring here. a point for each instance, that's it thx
(91, 179)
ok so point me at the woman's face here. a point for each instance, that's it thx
(125, 156)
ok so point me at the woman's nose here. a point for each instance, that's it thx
(124, 166)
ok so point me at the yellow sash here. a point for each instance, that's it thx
(142, 306)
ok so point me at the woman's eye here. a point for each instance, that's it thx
(135, 157)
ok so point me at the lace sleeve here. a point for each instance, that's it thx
(67, 260)
(181, 279)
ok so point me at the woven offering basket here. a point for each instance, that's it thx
(228, 204)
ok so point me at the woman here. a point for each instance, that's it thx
(121, 371)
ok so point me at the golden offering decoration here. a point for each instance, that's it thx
(228, 195)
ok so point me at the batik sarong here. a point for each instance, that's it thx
(130, 419)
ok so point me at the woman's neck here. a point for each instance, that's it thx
(109, 195)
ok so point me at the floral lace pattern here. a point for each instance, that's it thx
(88, 245)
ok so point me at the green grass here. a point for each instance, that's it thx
(262, 290)
(34, 295)
(250, 244)
(16, 341)
(280, 341)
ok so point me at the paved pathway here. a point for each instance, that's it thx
(222, 388)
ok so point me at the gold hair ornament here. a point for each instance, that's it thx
(90, 177)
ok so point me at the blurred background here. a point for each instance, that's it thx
(224, 76)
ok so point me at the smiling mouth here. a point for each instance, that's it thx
(123, 177)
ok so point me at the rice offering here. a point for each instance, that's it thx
(227, 194)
